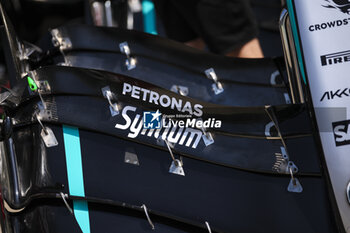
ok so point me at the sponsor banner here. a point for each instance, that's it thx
(336, 94)
(184, 128)
(185, 132)
(341, 133)
(335, 58)
(324, 29)
(164, 101)
(184, 136)
(329, 25)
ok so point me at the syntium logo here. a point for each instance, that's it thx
(341, 132)
(178, 135)
(342, 5)
(338, 94)
(335, 58)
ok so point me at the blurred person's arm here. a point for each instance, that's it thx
(251, 49)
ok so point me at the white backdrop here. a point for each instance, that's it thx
(325, 31)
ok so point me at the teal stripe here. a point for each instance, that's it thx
(81, 213)
(296, 38)
(149, 17)
(75, 175)
(73, 160)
